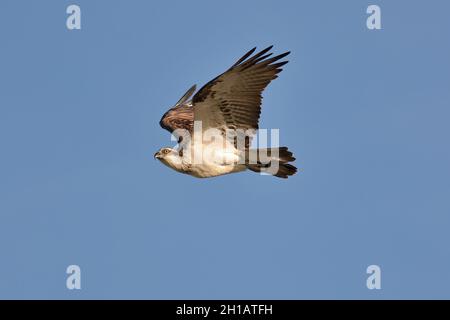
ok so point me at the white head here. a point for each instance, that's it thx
(170, 157)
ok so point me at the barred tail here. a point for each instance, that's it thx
(274, 161)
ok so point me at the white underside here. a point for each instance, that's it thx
(208, 161)
(214, 162)
(212, 170)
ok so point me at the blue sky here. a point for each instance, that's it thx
(365, 112)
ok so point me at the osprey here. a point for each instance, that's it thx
(230, 102)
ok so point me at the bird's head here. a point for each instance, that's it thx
(168, 156)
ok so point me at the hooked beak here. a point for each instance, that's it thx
(157, 155)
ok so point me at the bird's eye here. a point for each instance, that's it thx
(166, 151)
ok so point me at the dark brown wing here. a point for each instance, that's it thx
(233, 99)
(181, 116)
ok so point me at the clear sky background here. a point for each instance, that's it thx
(366, 113)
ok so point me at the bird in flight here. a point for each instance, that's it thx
(215, 128)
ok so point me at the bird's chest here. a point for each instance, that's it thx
(212, 170)
(213, 163)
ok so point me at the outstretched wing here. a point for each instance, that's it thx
(181, 116)
(233, 99)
